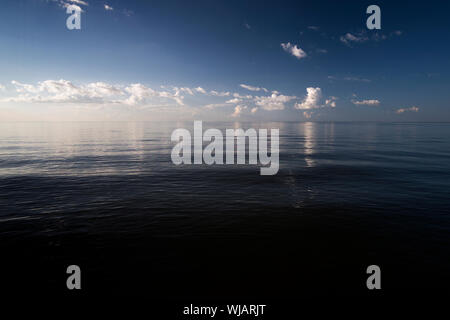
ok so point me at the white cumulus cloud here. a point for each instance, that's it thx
(238, 111)
(66, 3)
(234, 100)
(200, 90)
(403, 110)
(294, 50)
(348, 38)
(273, 102)
(219, 94)
(312, 99)
(252, 88)
(64, 91)
(371, 102)
(331, 102)
(84, 3)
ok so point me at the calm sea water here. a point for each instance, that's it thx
(106, 196)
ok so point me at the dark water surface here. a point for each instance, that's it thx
(106, 196)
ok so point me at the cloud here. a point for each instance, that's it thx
(349, 78)
(251, 88)
(138, 93)
(294, 50)
(139, 96)
(143, 95)
(348, 38)
(108, 8)
(331, 102)
(64, 91)
(216, 105)
(247, 26)
(102, 89)
(200, 90)
(134, 94)
(21, 87)
(273, 102)
(312, 99)
(372, 102)
(357, 79)
(307, 114)
(179, 91)
(315, 28)
(192, 91)
(403, 110)
(362, 36)
(80, 2)
(234, 100)
(238, 111)
(66, 3)
(379, 36)
(237, 95)
(219, 94)
(2, 87)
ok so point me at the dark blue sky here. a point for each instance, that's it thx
(144, 60)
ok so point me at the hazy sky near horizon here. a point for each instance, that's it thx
(224, 60)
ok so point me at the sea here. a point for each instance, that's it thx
(106, 196)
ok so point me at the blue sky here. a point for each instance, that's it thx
(224, 60)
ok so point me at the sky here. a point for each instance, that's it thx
(224, 60)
